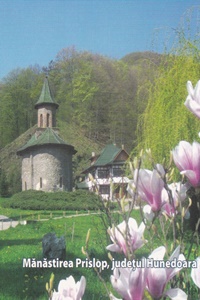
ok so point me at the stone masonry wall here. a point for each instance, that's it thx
(48, 168)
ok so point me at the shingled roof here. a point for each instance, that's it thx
(107, 155)
(49, 136)
(45, 96)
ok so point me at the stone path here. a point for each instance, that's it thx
(6, 222)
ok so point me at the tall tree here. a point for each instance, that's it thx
(166, 121)
(18, 94)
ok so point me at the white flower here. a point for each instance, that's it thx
(70, 290)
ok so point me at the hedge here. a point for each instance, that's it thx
(39, 200)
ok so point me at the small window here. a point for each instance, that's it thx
(104, 189)
(41, 120)
(61, 182)
(103, 173)
(48, 120)
(41, 182)
(25, 186)
(118, 172)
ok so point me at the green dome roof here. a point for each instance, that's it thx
(49, 136)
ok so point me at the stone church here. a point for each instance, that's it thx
(46, 158)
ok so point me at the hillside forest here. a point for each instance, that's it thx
(137, 101)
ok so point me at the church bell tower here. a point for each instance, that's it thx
(46, 107)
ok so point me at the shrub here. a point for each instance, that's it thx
(39, 200)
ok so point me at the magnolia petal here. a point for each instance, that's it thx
(195, 273)
(185, 155)
(187, 159)
(70, 290)
(126, 234)
(148, 213)
(193, 99)
(195, 159)
(55, 296)
(190, 174)
(144, 185)
(156, 281)
(132, 224)
(158, 253)
(182, 155)
(114, 248)
(137, 283)
(113, 297)
(193, 106)
(131, 188)
(141, 228)
(160, 170)
(122, 227)
(171, 272)
(120, 287)
(67, 285)
(175, 254)
(80, 288)
(197, 92)
(157, 185)
(176, 294)
(190, 89)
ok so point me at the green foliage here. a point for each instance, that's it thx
(166, 120)
(39, 200)
(96, 93)
(143, 58)
(18, 94)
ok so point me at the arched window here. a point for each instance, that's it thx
(48, 120)
(61, 182)
(41, 182)
(41, 120)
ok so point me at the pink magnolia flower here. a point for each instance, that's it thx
(193, 99)
(157, 278)
(70, 290)
(187, 159)
(148, 213)
(129, 283)
(126, 236)
(178, 194)
(170, 206)
(150, 186)
(195, 273)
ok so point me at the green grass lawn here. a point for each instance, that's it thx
(25, 242)
(18, 283)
